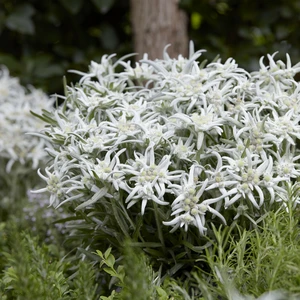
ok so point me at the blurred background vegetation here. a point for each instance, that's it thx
(42, 40)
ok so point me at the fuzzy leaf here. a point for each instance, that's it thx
(102, 192)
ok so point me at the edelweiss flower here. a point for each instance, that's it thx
(150, 179)
(59, 182)
(157, 133)
(247, 180)
(124, 129)
(106, 168)
(285, 127)
(206, 121)
(186, 150)
(187, 207)
(286, 165)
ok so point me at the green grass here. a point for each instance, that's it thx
(255, 262)
(34, 270)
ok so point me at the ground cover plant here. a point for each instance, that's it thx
(183, 168)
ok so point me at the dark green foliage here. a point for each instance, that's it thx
(107, 224)
(255, 262)
(134, 278)
(42, 40)
(245, 29)
(37, 271)
(138, 278)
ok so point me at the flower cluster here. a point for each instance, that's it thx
(196, 139)
(16, 121)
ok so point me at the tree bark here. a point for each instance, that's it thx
(157, 23)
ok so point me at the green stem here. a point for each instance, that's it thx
(158, 225)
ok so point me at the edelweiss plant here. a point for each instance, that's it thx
(20, 154)
(16, 121)
(190, 143)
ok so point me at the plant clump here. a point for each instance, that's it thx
(16, 121)
(195, 143)
(20, 153)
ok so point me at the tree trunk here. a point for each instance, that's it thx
(157, 23)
